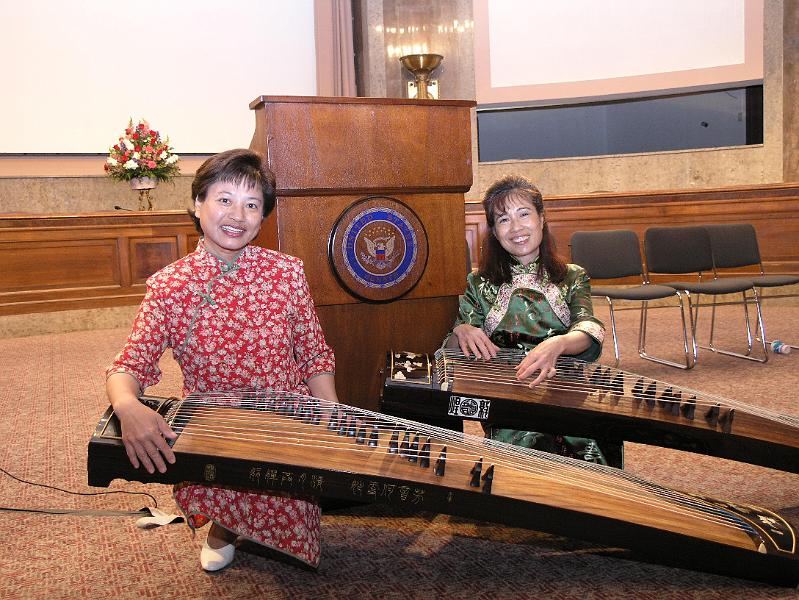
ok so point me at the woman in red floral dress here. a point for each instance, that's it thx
(236, 317)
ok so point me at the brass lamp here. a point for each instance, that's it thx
(421, 65)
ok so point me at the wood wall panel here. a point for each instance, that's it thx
(772, 209)
(61, 262)
(149, 255)
(51, 264)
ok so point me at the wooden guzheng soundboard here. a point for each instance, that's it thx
(586, 399)
(275, 441)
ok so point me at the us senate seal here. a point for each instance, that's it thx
(378, 248)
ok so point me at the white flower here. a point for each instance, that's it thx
(112, 161)
(172, 159)
(128, 143)
(136, 155)
(131, 164)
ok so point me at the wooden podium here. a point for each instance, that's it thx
(333, 157)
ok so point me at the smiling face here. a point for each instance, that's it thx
(230, 216)
(519, 228)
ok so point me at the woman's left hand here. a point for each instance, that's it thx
(541, 358)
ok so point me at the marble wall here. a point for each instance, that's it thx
(67, 195)
(790, 90)
(392, 28)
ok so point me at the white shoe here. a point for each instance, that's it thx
(214, 559)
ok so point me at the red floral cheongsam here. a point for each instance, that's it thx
(246, 325)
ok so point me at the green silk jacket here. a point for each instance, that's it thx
(529, 310)
(524, 313)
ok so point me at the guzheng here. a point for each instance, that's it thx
(586, 399)
(284, 442)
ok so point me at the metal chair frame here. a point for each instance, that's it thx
(735, 245)
(685, 250)
(614, 254)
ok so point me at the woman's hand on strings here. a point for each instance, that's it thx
(473, 341)
(145, 434)
(542, 358)
(144, 431)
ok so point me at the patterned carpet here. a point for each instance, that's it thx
(51, 396)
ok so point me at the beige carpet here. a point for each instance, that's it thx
(51, 396)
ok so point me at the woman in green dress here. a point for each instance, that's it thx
(524, 296)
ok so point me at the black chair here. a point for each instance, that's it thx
(616, 254)
(734, 245)
(685, 250)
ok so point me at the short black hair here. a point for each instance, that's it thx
(239, 166)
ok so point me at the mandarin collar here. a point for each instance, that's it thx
(517, 268)
(223, 264)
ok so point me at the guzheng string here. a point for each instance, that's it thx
(576, 376)
(267, 420)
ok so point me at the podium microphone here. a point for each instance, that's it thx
(117, 207)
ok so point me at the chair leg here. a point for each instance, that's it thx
(693, 310)
(748, 327)
(689, 363)
(760, 337)
(613, 331)
(692, 318)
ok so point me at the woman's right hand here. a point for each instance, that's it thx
(473, 340)
(144, 431)
(145, 434)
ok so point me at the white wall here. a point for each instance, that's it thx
(534, 52)
(75, 72)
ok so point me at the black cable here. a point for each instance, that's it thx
(88, 513)
(58, 489)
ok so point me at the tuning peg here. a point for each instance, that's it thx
(441, 463)
(374, 438)
(725, 419)
(688, 408)
(424, 455)
(393, 446)
(712, 415)
(475, 472)
(413, 451)
(488, 479)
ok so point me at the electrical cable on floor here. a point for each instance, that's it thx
(60, 511)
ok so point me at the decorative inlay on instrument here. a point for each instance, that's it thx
(587, 399)
(292, 443)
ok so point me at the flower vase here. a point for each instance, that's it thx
(143, 185)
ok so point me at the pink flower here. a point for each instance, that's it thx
(151, 164)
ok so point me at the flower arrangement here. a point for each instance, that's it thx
(141, 153)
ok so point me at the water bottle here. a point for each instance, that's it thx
(778, 347)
